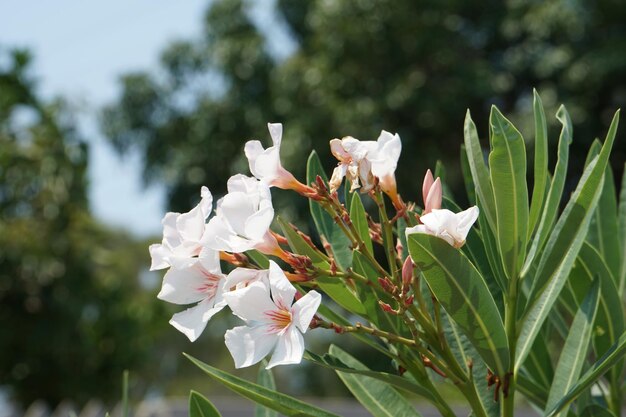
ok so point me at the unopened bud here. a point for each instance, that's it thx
(399, 248)
(434, 197)
(428, 182)
(409, 301)
(407, 274)
(386, 307)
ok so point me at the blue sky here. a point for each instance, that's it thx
(80, 48)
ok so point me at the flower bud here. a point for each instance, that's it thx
(407, 274)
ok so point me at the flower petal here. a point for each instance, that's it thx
(305, 308)
(466, 219)
(251, 303)
(289, 348)
(248, 345)
(160, 255)
(276, 132)
(192, 321)
(257, 224)
(183, 286)
(282, 290)
(241, 277)
(253, 149)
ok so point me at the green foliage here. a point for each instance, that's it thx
(199, 406)
(73, 311)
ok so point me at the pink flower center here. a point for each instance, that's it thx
(280, 318)
(210, 284)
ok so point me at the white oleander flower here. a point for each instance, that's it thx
(385, 160)
(452, 227)
(265, 163)
(182, 236)
(272, 322)
(201, 283)
(362, 162)
(242, 218)
(432, 193)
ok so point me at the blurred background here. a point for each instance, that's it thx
(112, 113)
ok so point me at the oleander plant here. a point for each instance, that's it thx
(519, 297)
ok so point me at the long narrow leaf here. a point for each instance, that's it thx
(574, 351)
(378, 397)
(541, 163)
(603, 365)
(464, 295)
(199, 406)
(563, 246)
(507, 166)
(265, 378)
(282, 403)
(551, 206)
(622, 234)
(480, 173)
(333, 362)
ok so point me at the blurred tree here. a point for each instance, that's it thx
(361, 66)
(73, 314)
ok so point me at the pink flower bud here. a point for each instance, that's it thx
(428, 182)
(407, 273)
(434, 197)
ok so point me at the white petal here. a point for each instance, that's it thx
(282, 290)
(206, 203)
(338, 173)
(251, 303)
(276, 132)
(210, 260)
(258, 223)
(182, 286)
(160, 255)
(248, 345)
(215, 229)
(336, 148)
(253, 149)
(241, 183)
(235, 209)
(420, 228)
(240, 277)
(466, 219)
(305, 308)
(192, 321)
(190, 225)
(169, 225)
(267, 164)
(289, 348)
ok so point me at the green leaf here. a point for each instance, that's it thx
(282, 403)
(199, 406)
(541, 163)
(574, 351)
(533, 392)
(379, 398)
(258, 258)
(300, 246)
(563, 246)
(603, 230)
(603, 365)
(507, 166)
(265, 378)
(551, 206)
(596, 410)
(538, 364)
(359, 219)
(468, 181)
(479, 171)
(622, 234)
(333, 362)
(325, 225)
(463, 293)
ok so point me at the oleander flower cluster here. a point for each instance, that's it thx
(198, 243)
(517, 297)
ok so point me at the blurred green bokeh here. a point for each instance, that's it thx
(73, 306)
